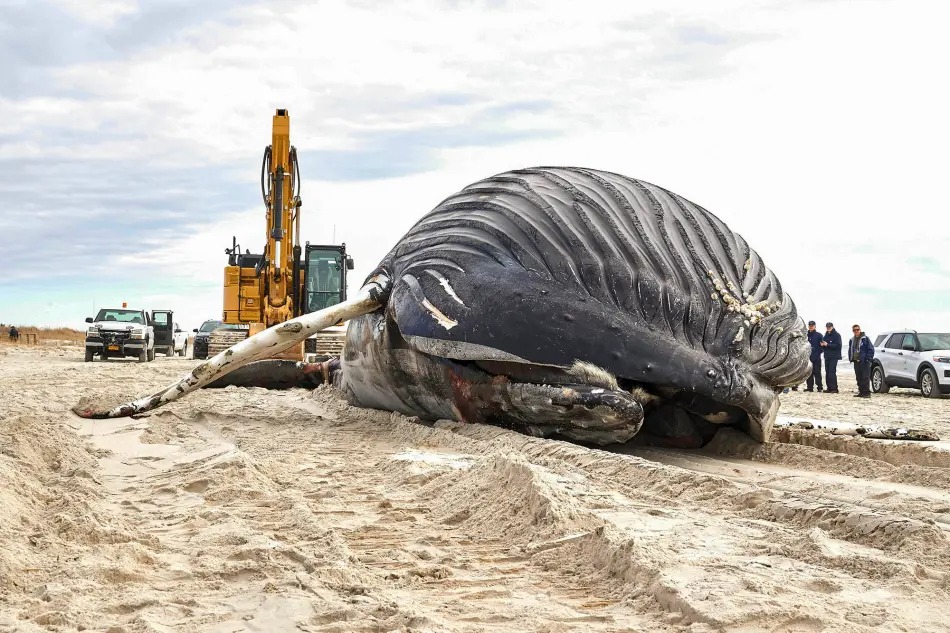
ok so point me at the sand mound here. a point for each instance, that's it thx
(47, 491)
(505, 494)
(59, 532)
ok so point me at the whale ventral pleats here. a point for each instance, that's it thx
(565, 268)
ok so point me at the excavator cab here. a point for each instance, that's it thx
(324, 276)
(323, 285)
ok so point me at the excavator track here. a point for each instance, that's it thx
(326, 344)
(220, 340)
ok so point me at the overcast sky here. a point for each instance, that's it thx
(131, 134)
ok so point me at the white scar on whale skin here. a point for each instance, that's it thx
(446, 322)
(447, 286)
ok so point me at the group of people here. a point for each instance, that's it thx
(829, 345)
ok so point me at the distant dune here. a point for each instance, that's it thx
(42, 333)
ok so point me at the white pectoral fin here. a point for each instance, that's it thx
(265, 344)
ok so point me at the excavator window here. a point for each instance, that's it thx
(324, 279)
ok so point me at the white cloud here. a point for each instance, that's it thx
(102, 13)
(810, 128)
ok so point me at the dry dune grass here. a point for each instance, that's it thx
(43, 334)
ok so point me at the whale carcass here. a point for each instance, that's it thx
(558, 301)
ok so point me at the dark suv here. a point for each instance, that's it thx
(203, 333)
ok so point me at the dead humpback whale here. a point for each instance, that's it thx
(558, 301)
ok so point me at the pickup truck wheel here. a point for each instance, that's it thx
(184, 349)
(170, 350)
(878, 384)
(929, 387)
(151, 354)
(88, 355)
(143, 356)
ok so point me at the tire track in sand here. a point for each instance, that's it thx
(242, 509)
(727, 551)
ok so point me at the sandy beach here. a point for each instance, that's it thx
(247, 510)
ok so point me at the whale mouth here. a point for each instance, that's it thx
(582, 403)
(577, 412)
(587, 404)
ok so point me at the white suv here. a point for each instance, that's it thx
(911, 359)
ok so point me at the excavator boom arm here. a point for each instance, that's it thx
(283, 203)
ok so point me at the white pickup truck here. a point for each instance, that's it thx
(120, 332)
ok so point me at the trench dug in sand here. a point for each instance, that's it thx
(247, 510)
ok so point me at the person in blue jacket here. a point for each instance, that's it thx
(831, 342)
(860, 353)
(814, 337)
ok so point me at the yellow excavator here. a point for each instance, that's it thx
(286, 279)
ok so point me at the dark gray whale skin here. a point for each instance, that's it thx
(503, 287)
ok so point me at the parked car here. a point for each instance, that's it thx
(203, 333)
(120, 332)
(916, 360)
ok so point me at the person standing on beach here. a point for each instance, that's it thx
(814, 337)
(860, 353)
(831, 342)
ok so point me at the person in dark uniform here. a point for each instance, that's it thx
(831, 342)
(814, 337)
(860, 352)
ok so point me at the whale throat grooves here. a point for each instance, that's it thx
(549, 266)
